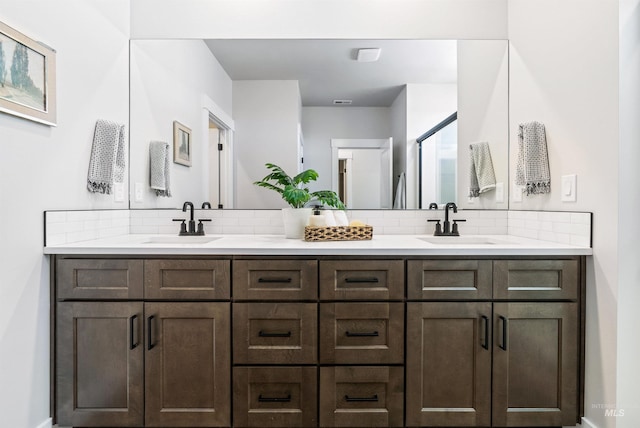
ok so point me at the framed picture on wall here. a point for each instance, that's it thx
(181, 144)
(27, 77)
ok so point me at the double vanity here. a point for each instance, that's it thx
(262, 331)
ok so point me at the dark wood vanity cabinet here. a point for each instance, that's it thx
(318, 342)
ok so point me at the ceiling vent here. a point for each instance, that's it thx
(342, 102)
(368, 54)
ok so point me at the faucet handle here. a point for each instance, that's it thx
(438, 230)
(454, 228)
(201, 226)
(183, 226)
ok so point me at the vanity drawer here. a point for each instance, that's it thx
(361, 396)
(361, 333)
(275, 333)
(535, 279)
(362, 280)
(275, 279)
(449, 279)
(187, 279)
(99, 279)
(275, 397)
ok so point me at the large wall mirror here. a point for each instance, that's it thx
(248, 102)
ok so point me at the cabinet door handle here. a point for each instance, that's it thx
(485, 340)
(374, 398)
(361, 334)
(361, 280)
(150, 344)
(132, 344)
(274, 334)
(274, 280)
(274, 399)
(503, 345)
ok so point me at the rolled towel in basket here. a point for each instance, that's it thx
(159, 166)
(482, 177)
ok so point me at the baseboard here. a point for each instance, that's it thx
(46, 424)
(587, 424)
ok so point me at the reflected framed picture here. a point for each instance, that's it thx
(181, 144)
(27, 77)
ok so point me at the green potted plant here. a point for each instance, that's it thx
(295, 193)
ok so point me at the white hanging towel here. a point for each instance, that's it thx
(399, 203)
(159, 165)
(532, 169)
(108, 159)
(482, 178)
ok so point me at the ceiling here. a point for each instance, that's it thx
(327, 69)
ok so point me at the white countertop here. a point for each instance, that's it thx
(380, 245)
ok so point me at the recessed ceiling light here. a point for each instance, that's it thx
(368, 54)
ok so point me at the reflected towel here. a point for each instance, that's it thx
(482, 178)
(108, 160)
(159, 164)
(532, 169)
(399, 203)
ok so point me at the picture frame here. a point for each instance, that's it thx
(27, 77)
(181, 144)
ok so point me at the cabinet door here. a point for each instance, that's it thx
(449, 362)
(535, 279)
(187, 279)
(275, 279)
(187, 365)
(275, 333)
(362, 280)
(99, 366)
(449, 279)
(93, 279)
(361, 396)
(535, 364)
(275, 397)
(361, 333)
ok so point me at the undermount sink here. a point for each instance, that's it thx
(461, 240)
(180, 239)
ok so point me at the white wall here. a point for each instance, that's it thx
(321, 124)
(564, 73)
(628, 370)
(483, 114)
(398, 116)
(266, 114)
(427, 105)
(45, 168)
(168, 81)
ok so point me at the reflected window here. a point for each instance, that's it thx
(438, 158)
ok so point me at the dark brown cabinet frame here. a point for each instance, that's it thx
(453, 291)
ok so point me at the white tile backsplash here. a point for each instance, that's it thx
(64, 227)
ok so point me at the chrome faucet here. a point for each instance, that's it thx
(447, 229)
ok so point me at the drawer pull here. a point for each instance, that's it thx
(374, 398)
(372, 280)
(150, 344)
(485, 340)
(274, 280)
(503, 345)
(274, 399)
(361, 334)
(275, 334)
(132, 344)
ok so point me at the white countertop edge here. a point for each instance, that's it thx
(277, 245)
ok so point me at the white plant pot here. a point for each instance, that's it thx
(295, 219)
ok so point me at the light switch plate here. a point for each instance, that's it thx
(568, 188)
(139, 192)
(517, 192)
(499, 193)
(118, 192)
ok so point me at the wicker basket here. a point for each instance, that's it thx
(338, 233)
